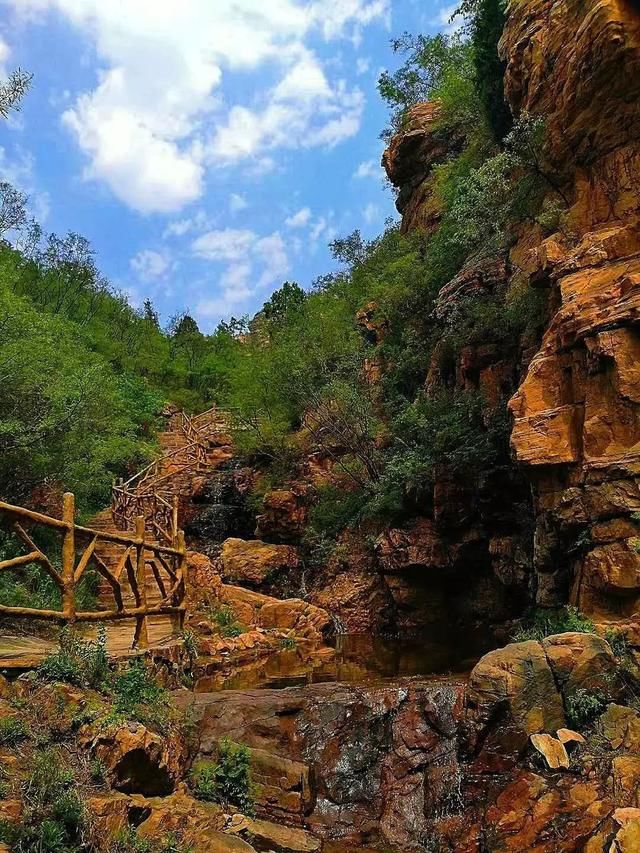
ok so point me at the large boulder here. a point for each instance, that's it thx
(137, 760)
(254, 562)
(512, 694)
(582, 662)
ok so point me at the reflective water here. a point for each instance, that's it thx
(356, 659)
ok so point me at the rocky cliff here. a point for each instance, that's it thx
(576, 393)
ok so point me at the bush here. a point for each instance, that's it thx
(228, 781)
(12, 731)
(226, 621)
(137, 695)
(545, 623)
(77, 661)
(54, 818)
(583, 706)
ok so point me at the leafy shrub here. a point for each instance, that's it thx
(583, 706)
(545, 623)
(54, 818)
(228, 781)
(77, 661)
(226, 621)
(12, 731)
(137, 695)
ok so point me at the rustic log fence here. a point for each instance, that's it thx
(137, 560)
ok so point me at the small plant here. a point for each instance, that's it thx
(76, 661)
(138, 696)
(619, 643)
(228, 781)
(583, 706)
(128, 841)
(12, 731)
(289, 643)
(190, 644)
(226, 621)
(54, 817)
(98, 771)
(546, 623)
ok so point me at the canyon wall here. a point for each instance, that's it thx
(575, 395)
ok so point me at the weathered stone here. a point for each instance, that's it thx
(253, 562)
(511, 695)
(621, 727)
(137, 760)
(552, 750)
(279, 839)
(582, 662)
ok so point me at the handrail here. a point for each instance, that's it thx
(137, 553)
(146, 493)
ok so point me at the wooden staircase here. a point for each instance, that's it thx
(159, 493)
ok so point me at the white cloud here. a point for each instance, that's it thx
(252, 263)
(299, 219)
(149, 264)
(154, 123)
(230, 244)
(18, 169)
(371, 213)
(445, 19)
(237, 203)
(368, 169)
(362, 65)
(200, 221)
(5, 53)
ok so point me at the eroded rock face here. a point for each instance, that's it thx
(253, 562)
(577, 411)
(137, 760)
(362, 763)
(408, 162)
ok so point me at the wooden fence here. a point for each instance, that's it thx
(125, 562)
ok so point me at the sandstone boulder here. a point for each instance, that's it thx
(552, 750)
(284, 515)
(253, 562)
(272, 837)
(620, 726)
(137, 760)
(512, 694)
(582, 662)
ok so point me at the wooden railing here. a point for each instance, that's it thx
(148, 493)
(134, 560)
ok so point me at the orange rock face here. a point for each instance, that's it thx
(577, 411)
(254, 561)
(408, 162)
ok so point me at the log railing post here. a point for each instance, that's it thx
(68, 558)
(141, 637)
(184, 568)
(174, 521)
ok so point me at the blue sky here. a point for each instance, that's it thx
(209, 149)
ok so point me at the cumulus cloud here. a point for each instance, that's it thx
(251, 263)
(299, 219)
(5, 53)
(371, 213)
(237, 203)
(155, 121)
(18, 169)
(150, 265)
(368, 169)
